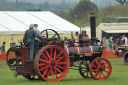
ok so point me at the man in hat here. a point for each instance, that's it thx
(38, 32)
(29, 40)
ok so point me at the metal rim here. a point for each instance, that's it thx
(100, 68)
(53, 63)
(84, 69)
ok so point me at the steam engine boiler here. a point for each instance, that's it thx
(87, 49)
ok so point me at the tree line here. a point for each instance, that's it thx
(24, 6)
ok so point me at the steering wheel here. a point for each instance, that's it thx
(47, 34)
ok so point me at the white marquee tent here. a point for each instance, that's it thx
(14, 24)
(18, 22)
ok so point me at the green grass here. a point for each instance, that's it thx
(119, 76)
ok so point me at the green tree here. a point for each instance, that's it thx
(83, 8)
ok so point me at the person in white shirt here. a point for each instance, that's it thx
(38, 33)
(124, 39)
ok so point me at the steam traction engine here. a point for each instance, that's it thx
(53, 59)
(124, 49)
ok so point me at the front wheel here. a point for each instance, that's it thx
(100, 68)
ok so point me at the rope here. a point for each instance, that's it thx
(5, 27)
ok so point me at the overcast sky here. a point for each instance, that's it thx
(41, 1)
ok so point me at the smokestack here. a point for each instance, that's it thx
(93, 28)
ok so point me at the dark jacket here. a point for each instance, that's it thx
(30, 35)
(3, 48)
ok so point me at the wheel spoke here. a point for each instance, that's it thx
(55, 54)
(59, 71)
(49, 72)
(52, 75)
(42, 64)
(45, 72)
(106, 71)
(104, 64)
(60, 67)
(43, 60)
(48, 55)
(103, 74)
(55, 73)
(100, 62)
(60, 58)
(62, 63)
(94, 66)
(94, 70)
(96, 73)
(97, 63)
(100, 75)
(44, 68)
(44, 56)
(58, 55)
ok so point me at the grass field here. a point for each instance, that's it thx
(119, 76)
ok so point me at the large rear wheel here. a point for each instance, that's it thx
(51, 63)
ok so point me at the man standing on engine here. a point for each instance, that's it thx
(29, 40)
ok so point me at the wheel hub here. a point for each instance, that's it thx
(101, 68)
(53, 63)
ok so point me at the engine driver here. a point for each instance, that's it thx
(29, 40)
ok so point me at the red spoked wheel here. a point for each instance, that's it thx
(100, 68)
(84, 69)
(51, 63)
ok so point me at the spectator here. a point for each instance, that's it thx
(38, 33)
(29, 40)
(65, 39)
(3, 47)
(119, 40)
(102, 41)
(19, 43)
(105, 43)
(124, 39)
(110, 42)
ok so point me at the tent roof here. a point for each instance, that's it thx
(18, 22)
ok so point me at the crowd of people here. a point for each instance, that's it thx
(108, 43)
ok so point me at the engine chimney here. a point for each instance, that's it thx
(93, 29)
